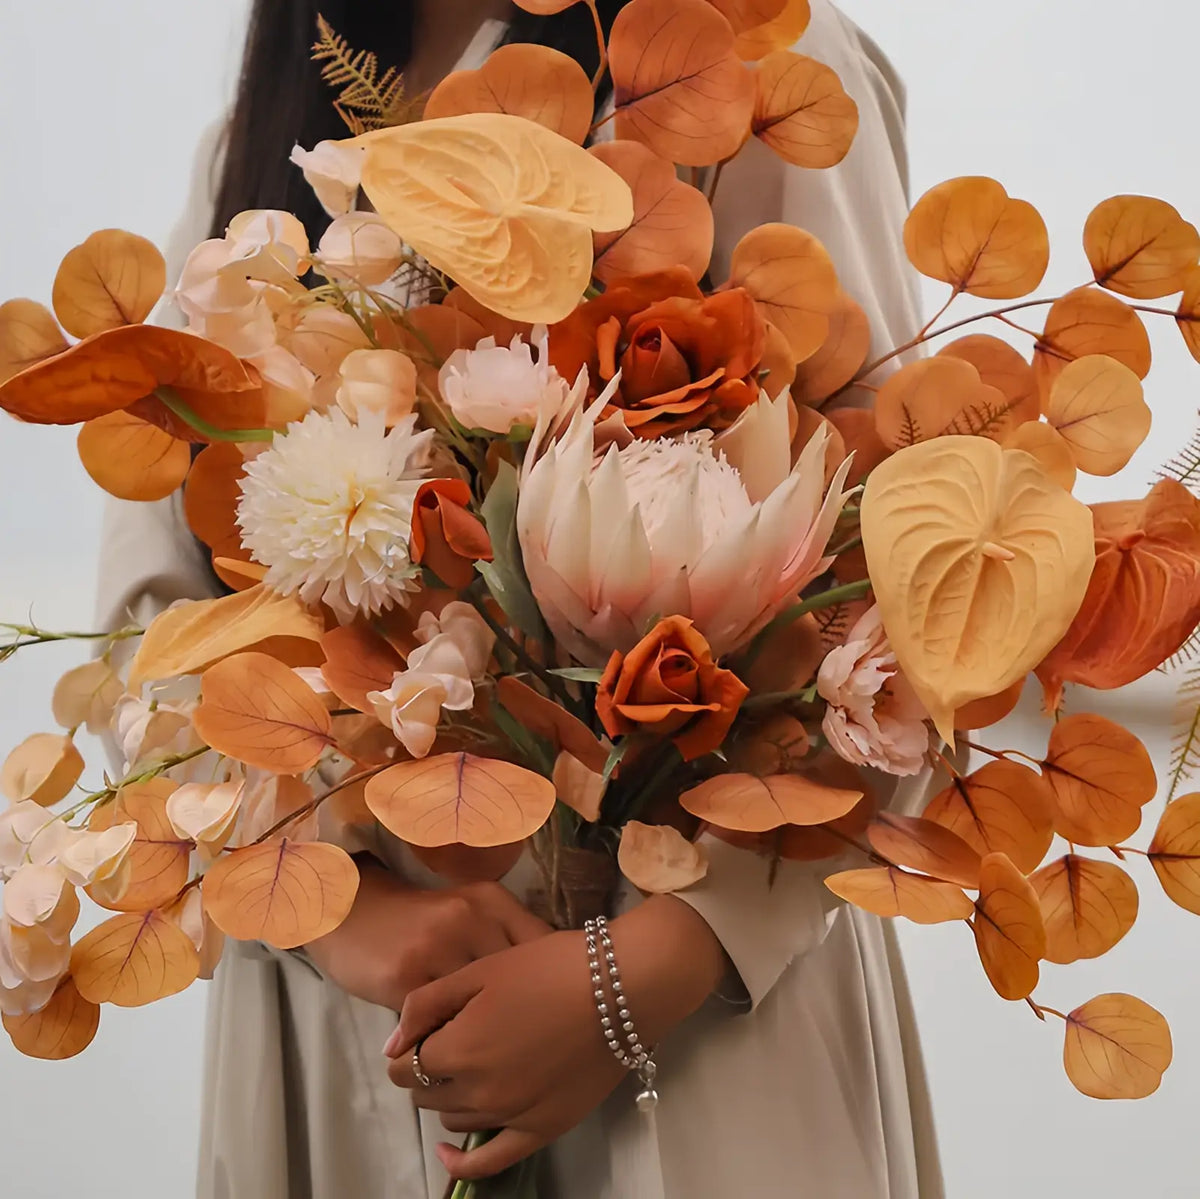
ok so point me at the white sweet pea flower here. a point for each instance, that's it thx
(333, 170)
(467, 629)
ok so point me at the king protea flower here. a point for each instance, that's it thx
(718, 531)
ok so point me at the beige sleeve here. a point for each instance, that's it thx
(857, 209)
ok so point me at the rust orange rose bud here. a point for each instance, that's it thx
(669, 686)
(446, 536)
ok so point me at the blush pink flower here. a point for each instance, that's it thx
(874, 717)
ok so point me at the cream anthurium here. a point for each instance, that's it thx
(718, 530)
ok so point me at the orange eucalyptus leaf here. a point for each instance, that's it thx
(780, 33)
(842, 353)
(358, 660)
(802, 111)
(211, 495)
(970, 233)
(460, 798)
(121, 367)
(678, 84)
(857, 427)
(746, 803)
(112, 279)
(518, 236)
(134, 959)
(1009, 932)
(1140, 247)
(547, 719)
(157, 861)
(526, 80)
(810, 422)
(43, 768)
(659, 859)
(256, 710)
(1046, 444)
(938, 397)
(793, 280)
(983, 713)
(1175, 852)
(491, 324)
(744, 15)
(672, 221)
(1187, 318)
(1116, 1047)
(1004, 368)
(1144, 597)
(131, 459)
(1087, 907)
(777, 367)
(812, 843)
(465, 864)
(29, 334)
(64, 1028)
(283, 892)
(1087, 321)
(887, 891)
(963, 541)
(1003, 807)
(545, 8)
(1101, 776)
(924, 846)
(1096, 404)
(194, 636)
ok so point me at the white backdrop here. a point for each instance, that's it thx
(1065, 101)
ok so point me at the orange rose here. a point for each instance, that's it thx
(446, 536)
(669, 686)
(687, 360)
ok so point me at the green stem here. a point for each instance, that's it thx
(171, 400)
(151, 772)
(814, 603)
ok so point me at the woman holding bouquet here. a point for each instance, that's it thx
(787, 1054)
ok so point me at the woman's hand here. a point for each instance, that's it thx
(396, 938)
(518, 1037)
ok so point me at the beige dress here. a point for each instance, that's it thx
(811, 1088)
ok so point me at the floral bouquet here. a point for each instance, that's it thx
(536, 539)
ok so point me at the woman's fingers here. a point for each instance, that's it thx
(428, 1008)
(503, 1150)
(467, 1122)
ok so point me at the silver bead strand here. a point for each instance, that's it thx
(636, 1058)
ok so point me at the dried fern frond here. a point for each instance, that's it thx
(1185, 752)
(1186, 653)
(1185, 466)
(366, 100)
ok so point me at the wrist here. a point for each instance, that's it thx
(670, 960)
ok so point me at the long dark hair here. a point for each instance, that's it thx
(282, 100)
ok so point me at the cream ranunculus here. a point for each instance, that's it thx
(328, 510)
(499, 387)
(719, 532)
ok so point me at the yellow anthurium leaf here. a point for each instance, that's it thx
(979, 562)
(502, 205)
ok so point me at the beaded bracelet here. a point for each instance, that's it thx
(636, 1058)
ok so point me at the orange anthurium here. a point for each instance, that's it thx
(1144, 597)
(446, 536)
(117, 368)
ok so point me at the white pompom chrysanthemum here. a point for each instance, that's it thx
(328, 510)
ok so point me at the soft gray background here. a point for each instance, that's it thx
(1065, 101)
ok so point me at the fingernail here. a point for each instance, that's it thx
(393, 1043)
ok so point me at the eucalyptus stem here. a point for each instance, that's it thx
(151, 772)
